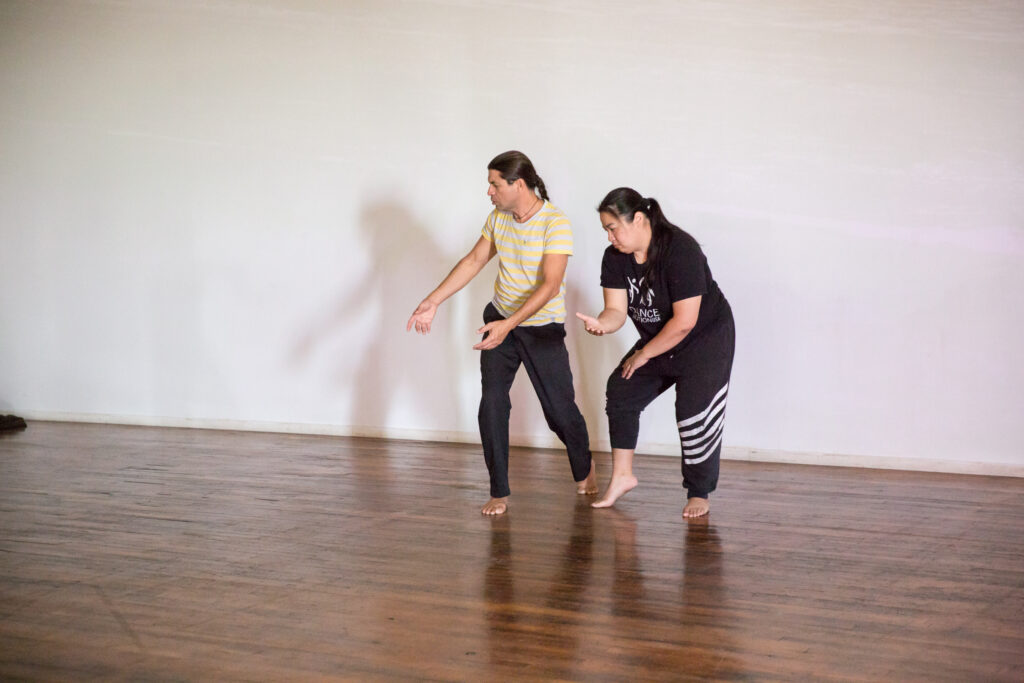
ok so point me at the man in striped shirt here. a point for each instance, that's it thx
(524, 323)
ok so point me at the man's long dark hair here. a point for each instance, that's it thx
(515, 165)
(624, 202)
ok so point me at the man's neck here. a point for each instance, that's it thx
(527, 209)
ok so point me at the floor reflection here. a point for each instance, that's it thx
(702, 604)
(499, 588)
(557, 599)
(567, 588)
(528, 597)
(628, 576)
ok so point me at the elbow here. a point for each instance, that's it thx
(680, 333)
(615, 318)
(549, 291)
(472, 261)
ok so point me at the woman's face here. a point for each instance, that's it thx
(626, 236)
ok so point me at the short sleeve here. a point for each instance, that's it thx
(684, 273)
(488, 231)
(558, 237)
(612, 276)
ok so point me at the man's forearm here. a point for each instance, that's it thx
(540, 297)
(465, 270)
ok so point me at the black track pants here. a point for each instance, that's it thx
(700, 374)
(542, 350)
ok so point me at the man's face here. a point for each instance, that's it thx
(503, 195)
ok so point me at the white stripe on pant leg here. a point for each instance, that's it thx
(695, 461)
(712, 430)
(704, 425)
(701, 415)
(700, 449)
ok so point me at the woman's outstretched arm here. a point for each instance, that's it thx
(612, 317)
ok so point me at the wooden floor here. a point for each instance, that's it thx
(132, 553)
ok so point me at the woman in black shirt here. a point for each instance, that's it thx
(656, 274)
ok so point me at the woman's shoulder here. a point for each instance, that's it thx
(615, 262)
(613, 255)
(683, 240)
(684, 246)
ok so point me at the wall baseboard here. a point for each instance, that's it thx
(671, 450)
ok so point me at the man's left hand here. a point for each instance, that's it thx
(496, 332)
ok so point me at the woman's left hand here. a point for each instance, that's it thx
(634, 362)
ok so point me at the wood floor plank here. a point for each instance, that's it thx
(131, 553)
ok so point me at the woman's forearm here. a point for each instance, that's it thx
(667, 339)
(611, 319)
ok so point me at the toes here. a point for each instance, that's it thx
(695, 511)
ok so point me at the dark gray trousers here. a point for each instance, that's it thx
(542, 350)
(699, 372)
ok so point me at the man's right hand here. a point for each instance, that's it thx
(422, 317)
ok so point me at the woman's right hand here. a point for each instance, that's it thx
(592, 325)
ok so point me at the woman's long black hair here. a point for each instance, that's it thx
(515, 165)
(624, 202)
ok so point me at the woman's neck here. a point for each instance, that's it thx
(640, 255)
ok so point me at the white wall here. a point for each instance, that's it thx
(222, 212)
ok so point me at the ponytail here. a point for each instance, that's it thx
(541, 190)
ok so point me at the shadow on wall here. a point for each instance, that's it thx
(391, 362)
(426, 374)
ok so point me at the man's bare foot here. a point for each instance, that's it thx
(589, 485)
(495, 506)
(616, 488)
(696, 507)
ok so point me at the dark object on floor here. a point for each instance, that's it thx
(11, 422)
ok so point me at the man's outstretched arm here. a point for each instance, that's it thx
(465, 270)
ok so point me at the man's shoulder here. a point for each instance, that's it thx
(550, 208)
(497, 215)
(550, 215)
(498, 221)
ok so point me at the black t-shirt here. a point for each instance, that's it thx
(684, 274)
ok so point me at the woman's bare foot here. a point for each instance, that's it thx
(616, 488)
(589, 485)
(696, 507)
(495, 506)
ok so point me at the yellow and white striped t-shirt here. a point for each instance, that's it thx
(520, 247)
